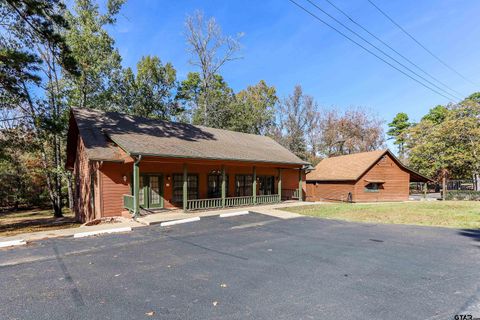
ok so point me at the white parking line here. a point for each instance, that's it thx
(233, 214)
(97, 232)
(12, 243)
(254, 224)
(173, 222)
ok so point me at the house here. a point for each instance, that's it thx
(361, 177)
(124, 164)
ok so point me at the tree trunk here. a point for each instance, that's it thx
(57, 210)
(48, 179)
(58, 179)
(205, 120)
(70, 191)
(476, 181)
(401, 151)
(444, 186)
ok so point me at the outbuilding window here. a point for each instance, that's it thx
(372, 187)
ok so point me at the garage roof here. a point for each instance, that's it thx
(353, 166)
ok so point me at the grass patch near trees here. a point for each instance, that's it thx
(24, 221)
(453, 214)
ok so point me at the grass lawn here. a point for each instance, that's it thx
(16, 222)
(454, 214)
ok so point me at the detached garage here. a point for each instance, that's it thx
(361, 177)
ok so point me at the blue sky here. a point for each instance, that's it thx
(284, 46)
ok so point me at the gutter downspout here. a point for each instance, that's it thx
(136, 187)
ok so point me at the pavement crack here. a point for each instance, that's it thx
(206, 248)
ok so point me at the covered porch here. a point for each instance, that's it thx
(201, 184)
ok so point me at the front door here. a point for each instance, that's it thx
(151, 191)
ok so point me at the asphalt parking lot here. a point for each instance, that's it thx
(246, 267)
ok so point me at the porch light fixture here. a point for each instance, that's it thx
(168, 177)
(124, 178)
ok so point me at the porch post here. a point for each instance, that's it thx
(136, 186)
(185, 187)
(279, 184)
(254, 185)
(224, 186)
(300, 185)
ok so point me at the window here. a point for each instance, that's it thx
(266, 185)
(177, 188)
(155, 190)
(215, 185)
(192, 187)
(372, 187)
(243, 185)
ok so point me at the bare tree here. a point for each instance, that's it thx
(312, 130)
(355, 130)
(210, 50)
(298, 120)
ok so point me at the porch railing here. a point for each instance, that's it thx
(270, 198)
(128, 202)
(238, 201)
(202, 204)
(289, 194)
(198, 204)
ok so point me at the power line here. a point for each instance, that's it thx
(364, 48)
(391, 48)
(383, 52)
(421, 45)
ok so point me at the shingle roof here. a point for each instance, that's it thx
(348, 167)
(351, 167)
(97, 144)
(143, 136)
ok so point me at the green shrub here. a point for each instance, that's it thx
(463, 195)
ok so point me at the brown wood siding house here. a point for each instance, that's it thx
(362, 177)
(126, 165)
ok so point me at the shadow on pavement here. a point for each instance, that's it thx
(471, 233)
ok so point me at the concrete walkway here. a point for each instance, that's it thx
(33, 236)
(271, 210)
(156, 218)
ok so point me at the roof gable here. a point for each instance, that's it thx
(105, 132)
